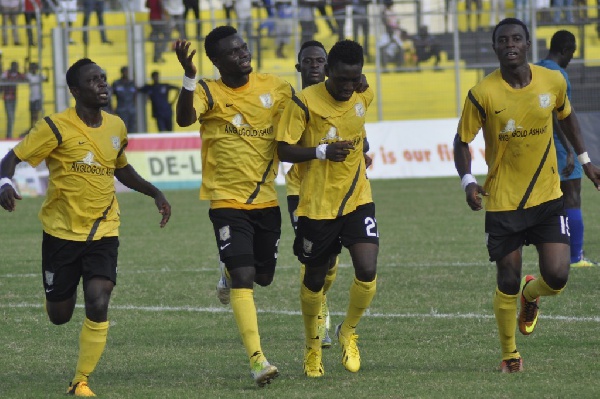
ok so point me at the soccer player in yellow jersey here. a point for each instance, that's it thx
(513, 106)
(238, 114)
(84, 150)
(322, 129)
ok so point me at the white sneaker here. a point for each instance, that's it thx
(223, 286)
(263, 373)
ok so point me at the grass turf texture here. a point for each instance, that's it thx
(430, 332)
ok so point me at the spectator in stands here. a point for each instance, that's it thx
(497, 11)
(284, 25)
(125, 92)
(477, 12)
(243, 11)
(174, 10)
(88, 7)
(194, 6)
(228, 8)
(30, 15)
(563, 6)
(66, 14)
(426, 46)
(360, 20)
(522, 10)
(338, 9)
(35, 79)
(9, 81)
(160, 34)
(10, 11)
(306, 17)
(390, 43)
(321, 6)
(562, 47)
(162, 108)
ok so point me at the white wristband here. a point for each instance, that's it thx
(321, 151)
(189, 83)
(466, 180)
(584, 158)
(6, 180)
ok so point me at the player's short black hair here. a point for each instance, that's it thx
(561, 40)
(311, 43)
(346, 51)
(73, 71)
(510, 21)
(211, 41)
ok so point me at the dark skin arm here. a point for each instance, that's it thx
(8, 195)
(462, 162)
(185, 114)
(336, 152)
(563, 140)
(571, 129)
(130, 178)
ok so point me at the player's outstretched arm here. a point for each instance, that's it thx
(185, 114)
(571, 129)
(462, 162)
(130, 178)
(8, 192)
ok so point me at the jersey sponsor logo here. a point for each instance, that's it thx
(238, 121)
(360, 110)
(116, 142)
(224, 233)
(544, 100)
(89, 166)
(266, 100)
(249, 131)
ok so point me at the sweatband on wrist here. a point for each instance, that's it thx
(6, 180)
(584, 158)
(322, 151)
(189, 83)
(466, 180)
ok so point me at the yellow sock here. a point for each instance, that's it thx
(361, 295)
(302, 271)
(505, 309)
(92, 341)
(244, 311)
(331, 275)
(537, 288)
(311, 306)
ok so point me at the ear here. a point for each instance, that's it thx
(297, 67)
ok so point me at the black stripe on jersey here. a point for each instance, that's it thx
(121, 150)
(260, 183)
(209, 96)
(97, 222)
(349, 193)
(562, 107)
(535, 177)
(54, 129)
(301, 105)
(477, 105)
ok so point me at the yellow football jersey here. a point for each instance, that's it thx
(80, 202)
(239, 152)
(328, 189)
(517, 129)
(292, 181)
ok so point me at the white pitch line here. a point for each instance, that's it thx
(432, 315)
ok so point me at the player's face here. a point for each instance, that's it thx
(343, 80)
(511, 45)
(312, 65)
(234, 57)
(93, 89)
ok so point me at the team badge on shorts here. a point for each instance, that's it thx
(116, 142)
(224, 233)
(544, 100)
(307, 246)
(266, 100)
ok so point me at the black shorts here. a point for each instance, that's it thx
(317, 240)
(247, 237)
(65, 262)
(292, 201)
(507, 231)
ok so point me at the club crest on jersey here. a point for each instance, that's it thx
(238, 121)
(544, 100)
(307, 246)
(116, 142)
(360, 110)
(266, 100)
(224, 233)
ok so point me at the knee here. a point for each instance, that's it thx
(314, 282)
(59, 319)
(557, 281)
(263, 280)
(366, 274)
